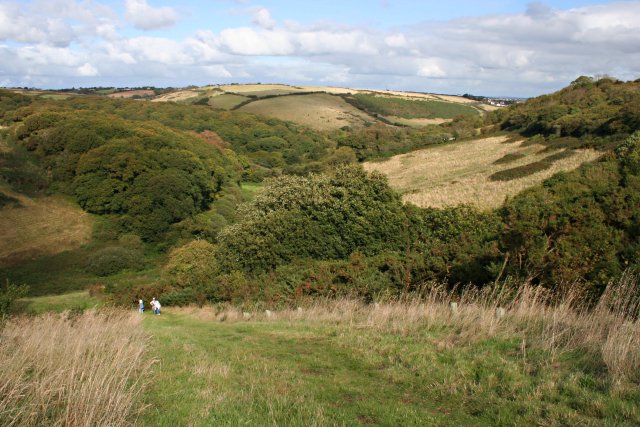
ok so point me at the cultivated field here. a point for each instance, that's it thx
(226, 101)
(460, 173)
(41, 226)
(317, 111)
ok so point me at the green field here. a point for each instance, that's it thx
(227, 101)
(411, 108)
(74, 301)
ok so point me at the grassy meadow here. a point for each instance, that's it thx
(412, 361)
(451, 174)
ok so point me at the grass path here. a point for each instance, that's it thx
(271, 373)
(325, 373)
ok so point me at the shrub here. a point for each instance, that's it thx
(193, 265)
(9, 293)
(113, 259)
(319, 217)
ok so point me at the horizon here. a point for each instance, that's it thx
(519, 48)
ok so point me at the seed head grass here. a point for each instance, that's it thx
(72, 369)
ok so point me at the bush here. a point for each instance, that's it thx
(9, 293)
(113, 259)
(193, 265)
(319, 217)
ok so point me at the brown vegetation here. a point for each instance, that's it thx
(73, 370)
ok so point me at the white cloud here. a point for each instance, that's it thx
(430, 68)
(262, 18)
(537, 50)
(87, 70)
(145, 17)
(247, 41)
(396, 40)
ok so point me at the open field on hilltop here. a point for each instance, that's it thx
(131, 93)
(458, 173)
(227, 101)
(256, 88)
(317, 111)
(181, 95)
(41, 226)
(411, 108)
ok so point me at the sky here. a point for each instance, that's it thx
(493, 48)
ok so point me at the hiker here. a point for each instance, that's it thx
(141, 306)
(155, 306)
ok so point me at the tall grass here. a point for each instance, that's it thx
(86, 369)
(608, 332)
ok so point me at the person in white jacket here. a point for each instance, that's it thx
(155, 306)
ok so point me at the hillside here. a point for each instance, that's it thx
(480, 172)
(165, 181)
(589, 112)
(317, 111)
(313, 107)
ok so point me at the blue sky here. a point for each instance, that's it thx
(514, 48)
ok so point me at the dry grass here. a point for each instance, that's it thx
(83, 370)
(317, 111)
(181, 95)
(459, 173)
(41, 226)
(610, 331)
(132, 93)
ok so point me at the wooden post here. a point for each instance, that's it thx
(453, 306)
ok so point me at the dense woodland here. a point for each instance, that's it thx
(165, 178)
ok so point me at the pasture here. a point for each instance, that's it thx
(317, 111)
(451, 174)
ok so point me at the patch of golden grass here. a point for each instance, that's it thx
(317, 111)
(459, 173)
(41, 226)
(82, 370)
(244, 88)
(181, 95)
